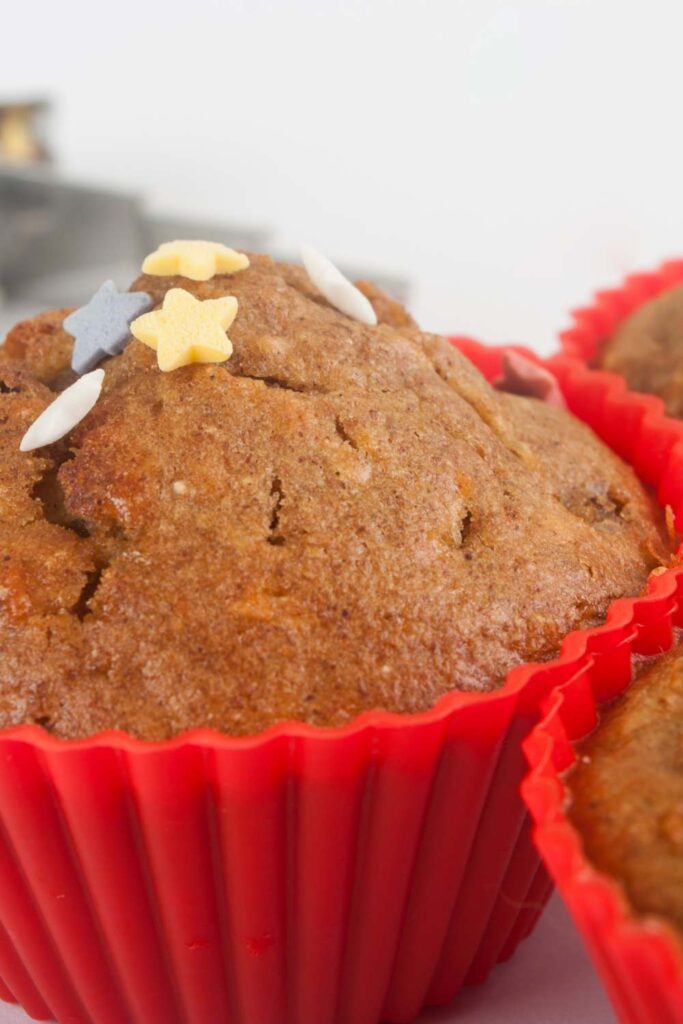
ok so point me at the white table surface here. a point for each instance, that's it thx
(549, 981)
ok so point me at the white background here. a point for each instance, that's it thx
(512, 155)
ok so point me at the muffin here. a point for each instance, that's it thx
(339, 517)
(627, 791)
(647, 349)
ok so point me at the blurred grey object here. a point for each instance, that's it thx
(59, 240)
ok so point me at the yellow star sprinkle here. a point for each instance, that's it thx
(199, 261)
(187, 330)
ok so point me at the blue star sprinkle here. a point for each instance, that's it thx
(102, 328)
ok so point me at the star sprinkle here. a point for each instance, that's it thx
(66, 412)
(336, 288)
(187, 330)
(199, 261)
(522, 376)
(102, 327)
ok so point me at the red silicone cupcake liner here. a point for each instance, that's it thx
(301, 876)
(592, 325)
(640, 961)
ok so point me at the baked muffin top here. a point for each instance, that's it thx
(627, 791)
(647, 349)
(337, 518)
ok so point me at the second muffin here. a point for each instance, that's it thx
(647, 350)
(627, 791)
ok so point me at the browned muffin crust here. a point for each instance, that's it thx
(43, 348)
(627, 791)
(338, 518)
(647, 350)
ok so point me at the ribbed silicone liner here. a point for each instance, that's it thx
(592, 325)
(302, 876)
(640, 961)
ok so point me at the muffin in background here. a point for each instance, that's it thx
(604, 791)
(627, 791)
(647, 349)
